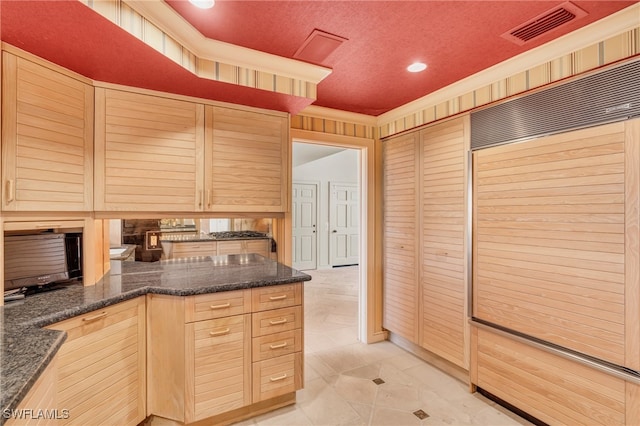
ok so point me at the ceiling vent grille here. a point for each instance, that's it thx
(544, 23)
(603, 97)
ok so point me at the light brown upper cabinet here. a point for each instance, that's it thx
(47, 138)
(247, 158)
(160, 154)
(148, 153)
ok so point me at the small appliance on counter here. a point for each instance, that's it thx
(145, 235)
(43, 261)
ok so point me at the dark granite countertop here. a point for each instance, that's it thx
(26, 348)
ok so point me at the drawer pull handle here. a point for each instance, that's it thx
(276, 322)
(276, 379)
(221, 306)
(95, 317)
(282, 297)
(220, 333)
(280, 346)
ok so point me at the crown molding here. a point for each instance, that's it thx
(338, 115)
(172, 23)
(610, 26)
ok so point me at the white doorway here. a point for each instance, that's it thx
(344, 220)
(335, 173)
(364, 152)
(304, 209)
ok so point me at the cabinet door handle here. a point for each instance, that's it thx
(276, 322)
(279, 346)
(221, 306)
(10, 191)
(208, 198)
(95, 317)
(220, 332)
(276, 379)
(200, 198)
(284, 296)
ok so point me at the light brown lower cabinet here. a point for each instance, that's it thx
(277, 341)
(40, 405)
(554, 389)
(207, 360)
(261, 247)
(180, 249)
(177, 250)
(101, 375)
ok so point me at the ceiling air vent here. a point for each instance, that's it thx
(318, 46)
(545, 22)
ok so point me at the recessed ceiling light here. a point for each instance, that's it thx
(203, 4)
(417, 67)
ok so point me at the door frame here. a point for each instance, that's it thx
(370, 286)
(317, 206)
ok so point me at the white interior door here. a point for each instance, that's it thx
(344, 214)
(303, 213)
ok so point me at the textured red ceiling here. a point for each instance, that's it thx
(456, 39)
(70, 34)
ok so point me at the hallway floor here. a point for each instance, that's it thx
(339, 387)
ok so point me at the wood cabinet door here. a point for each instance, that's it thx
(179, 250)
(400, 227)
(443, 241)
(552, 257)
(149, 153)
(261, 247)
(218, 366)
(101, 366)
(41, 398)
(247, 161)
(47, 139)
(230, 247)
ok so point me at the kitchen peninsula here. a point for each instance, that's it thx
(229, 299)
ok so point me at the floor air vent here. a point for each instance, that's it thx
(544, 23)
(603, 97)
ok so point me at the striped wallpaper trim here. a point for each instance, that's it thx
(334, 127)
(118, 12)
(606, 52)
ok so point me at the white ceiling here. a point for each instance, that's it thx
(305, 152)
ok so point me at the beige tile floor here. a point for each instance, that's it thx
(339, 373)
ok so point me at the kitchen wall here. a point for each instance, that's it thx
(341, 167)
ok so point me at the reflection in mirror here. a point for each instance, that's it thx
(232, 235)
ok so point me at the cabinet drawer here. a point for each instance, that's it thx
(231, 247)
(200, 248)
(261, 247)
(217, 305)
(211, 336)
(277, 376)
(91, 322)
(278, 344)
(276, 321)
(274, 297)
